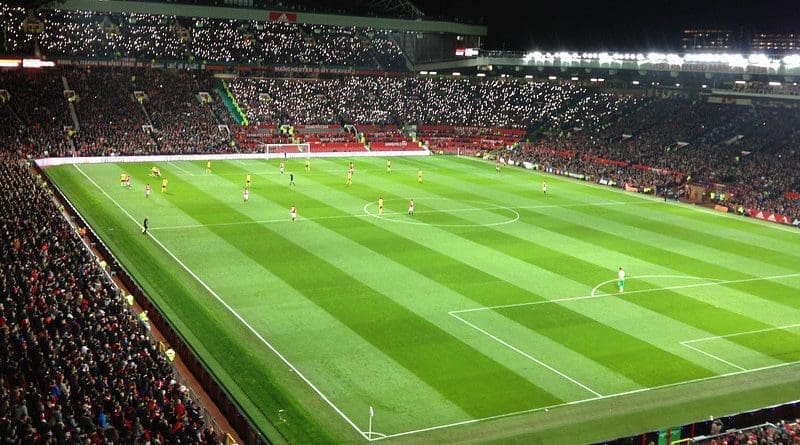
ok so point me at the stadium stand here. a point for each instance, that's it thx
(783, 433)
(629, 141)
(77, 365)
(145, 36)
(750, 149)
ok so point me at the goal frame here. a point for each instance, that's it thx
(303, 147)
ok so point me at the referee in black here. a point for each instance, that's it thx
(144, 225)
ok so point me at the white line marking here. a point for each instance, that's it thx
(180, 168)
(262, 221)
(683, 286)
(686, 277)
(361, 215)
(743, 333)
(702, 209)
(514, 219)
(232, 311)
(525, 354)
(578, 402)
(499, 416)
(713, 356)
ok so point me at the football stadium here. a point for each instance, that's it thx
(253, 222)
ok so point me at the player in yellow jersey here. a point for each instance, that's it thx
(380, 205)
(122, 179)
(388, 166)
(419, 176)
(164, 185)
(208, 166)
(247, 181)
(282, 167)
(308, 165)
(349, 178)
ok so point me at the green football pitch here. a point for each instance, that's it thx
(490, 315)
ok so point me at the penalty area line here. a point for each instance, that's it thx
(233, 312)
(641, 291)
(525, 354)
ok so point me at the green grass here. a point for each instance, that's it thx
(474, 319)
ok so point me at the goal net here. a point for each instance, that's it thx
(288, 148)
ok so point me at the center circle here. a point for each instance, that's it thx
(513, 215)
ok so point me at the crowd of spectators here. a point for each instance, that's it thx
(34, 112)
(76, 364)
(182, 121)
(146, 36)
(119, 111)
(507, 103)
(752, 151)
(111, 120)
(633, 141)
(781, 433)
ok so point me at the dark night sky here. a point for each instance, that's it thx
(612, 25)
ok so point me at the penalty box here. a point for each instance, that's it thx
(739, 351)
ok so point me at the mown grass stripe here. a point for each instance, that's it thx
(395, 330)
(443, 269)
(643, 375)
(634, 248)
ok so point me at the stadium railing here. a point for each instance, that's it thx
(700, 432)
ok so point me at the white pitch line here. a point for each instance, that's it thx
(708, 354)
(233, 312)
(685, 277)
(499, 416)
(582, 401)
(696, 208)
(361, 215)
(683, 286)
(180, 168)
(716, 337)
(525, 354)
(261, 221)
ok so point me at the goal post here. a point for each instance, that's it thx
(304, 147)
